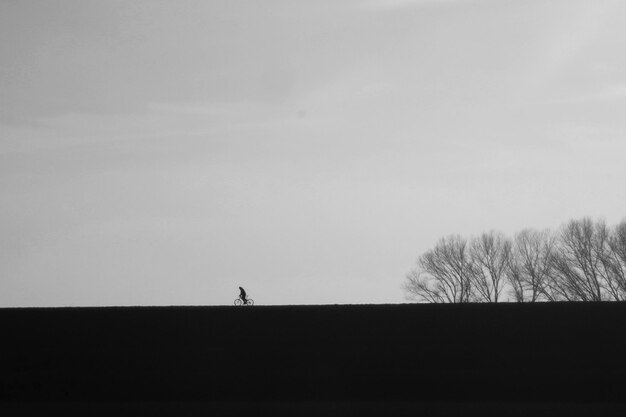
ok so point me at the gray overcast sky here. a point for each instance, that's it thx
(166, 152)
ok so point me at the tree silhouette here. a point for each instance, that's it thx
(490, 254)
(443, 274)
(583, 261)
(530, 264)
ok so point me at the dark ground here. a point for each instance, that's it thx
(436, 360)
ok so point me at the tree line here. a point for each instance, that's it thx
(584, 260)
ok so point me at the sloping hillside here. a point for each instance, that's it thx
(334, 360)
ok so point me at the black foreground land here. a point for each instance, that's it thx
(487, 359)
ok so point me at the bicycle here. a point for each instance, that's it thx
(239, 301)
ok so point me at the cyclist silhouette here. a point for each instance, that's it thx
(243, 299)
(242, 295)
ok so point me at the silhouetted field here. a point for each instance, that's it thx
(490, 359)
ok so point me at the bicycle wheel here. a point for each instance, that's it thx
(250, 302)
(238, 302)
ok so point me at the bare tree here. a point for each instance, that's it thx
(578, 271)
(490, 253)
(614, 261)
(529, 265)
(443, 274)
(617, 244)
(583, 261)
(515, 279)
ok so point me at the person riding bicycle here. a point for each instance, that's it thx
(242, 295)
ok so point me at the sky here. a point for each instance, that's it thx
(167, 152)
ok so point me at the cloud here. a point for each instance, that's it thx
(608, 93)
(383, 5)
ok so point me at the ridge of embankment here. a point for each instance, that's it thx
(331, 354)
